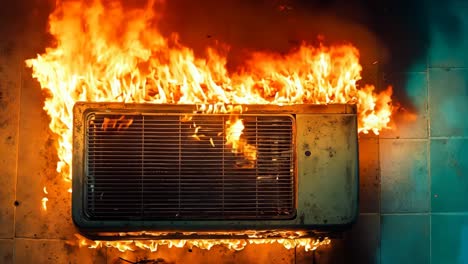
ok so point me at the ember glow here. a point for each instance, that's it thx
(127, 59)
(44, 199)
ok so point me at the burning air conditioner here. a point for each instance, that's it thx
(178, 170)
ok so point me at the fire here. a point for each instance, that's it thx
(309, 244)
(44, 199)
(127, 59)
(44, 203)
(116, 123)
(234, 131)
(91, 61)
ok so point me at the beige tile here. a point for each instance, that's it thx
(369, 175)
(55, 251)
(6, 251)
(274, 253)
(38, 158)
(405, 185)
(9, 108)
(322, 255)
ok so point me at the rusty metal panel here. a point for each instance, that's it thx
(327, 169)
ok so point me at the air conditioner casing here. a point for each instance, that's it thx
(326, 178)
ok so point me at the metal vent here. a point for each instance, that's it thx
(150, 167)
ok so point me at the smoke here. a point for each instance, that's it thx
(262, 25)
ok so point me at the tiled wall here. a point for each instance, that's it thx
(414, 179)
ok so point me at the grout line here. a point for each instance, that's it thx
(379, 171)
(405, 139)
(405, 213)
(451, 213)
(447, 67)
(449, 137)
(369, 214)
(18, 131)
(428, 158)
(42, 239)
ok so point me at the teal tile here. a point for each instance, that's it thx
(410, 120)
(448, 102)
(449, 241)
(448, 28)
(405, 239)
(449, 172)
(404, 176)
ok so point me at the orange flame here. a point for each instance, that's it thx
(116, 123)
(44, 203)
(127, 59)
(93, 61)
(234, 131)
(44, 200)
(309, 244)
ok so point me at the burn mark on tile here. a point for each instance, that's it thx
(9, 140)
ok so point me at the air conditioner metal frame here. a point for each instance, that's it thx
(327, 173)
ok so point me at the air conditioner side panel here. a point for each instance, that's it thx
(327, 158)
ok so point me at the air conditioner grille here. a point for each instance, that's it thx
(152, 167)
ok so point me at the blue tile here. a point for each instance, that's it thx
(449, 241)
(410, 120)
(405, 239)
(449, 173)
(404, 176)
(448, 28)
(448, 102)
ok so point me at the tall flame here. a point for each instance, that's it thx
(104, 53)
(126, 59)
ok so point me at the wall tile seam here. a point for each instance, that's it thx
(448, 137)
(405, 72)
(20, 94)
(428, 154)
(380, 177)
(406, 214)
(447, 68)
(429, 178)
(403, 138)
(45, 239)
(369, 214)
(461, 213)
(406, 139)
